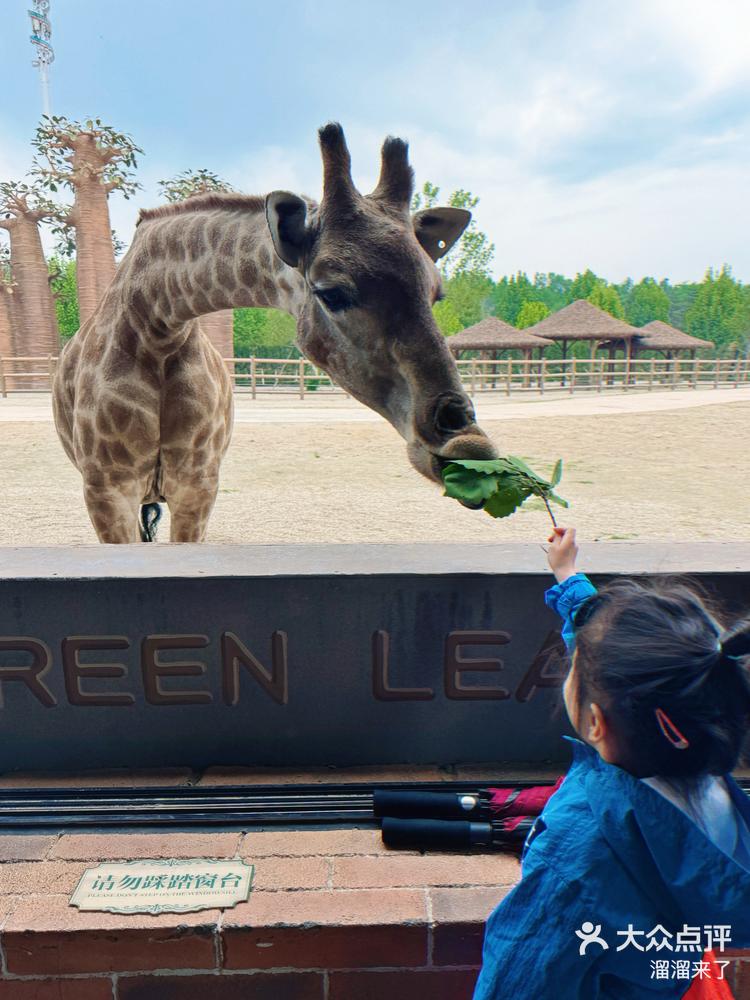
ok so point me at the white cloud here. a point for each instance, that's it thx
(596, 133)
(711, 38)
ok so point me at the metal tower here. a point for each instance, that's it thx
(41, 29)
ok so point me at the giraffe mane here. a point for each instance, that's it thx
(204, 202)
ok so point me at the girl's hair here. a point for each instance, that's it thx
(643, 647)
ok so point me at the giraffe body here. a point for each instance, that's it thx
(141, 399)
(163, 442)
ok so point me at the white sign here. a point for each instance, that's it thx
(173, 885)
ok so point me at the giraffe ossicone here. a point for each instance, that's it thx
(141, 398)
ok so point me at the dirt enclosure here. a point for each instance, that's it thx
(660, 474)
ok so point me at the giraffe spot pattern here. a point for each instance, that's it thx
(120, 454)
(176, 249)
(269, 289)
(225, 275)
(248, 273)
(196, 241)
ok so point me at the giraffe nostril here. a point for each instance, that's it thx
(453, 414)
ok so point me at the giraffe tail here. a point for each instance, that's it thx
(150, 517)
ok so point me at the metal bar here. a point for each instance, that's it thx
(328, 809)
(261, 792)
(62, 808)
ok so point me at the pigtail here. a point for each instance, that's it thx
(735, 658)
(735, 644)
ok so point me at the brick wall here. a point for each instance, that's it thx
(333, 916)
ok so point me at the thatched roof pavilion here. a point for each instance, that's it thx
(659, 336)
(582, 321)
(492, 335)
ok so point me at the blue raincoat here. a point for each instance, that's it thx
(612, 852)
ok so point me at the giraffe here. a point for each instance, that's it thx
(141, 399)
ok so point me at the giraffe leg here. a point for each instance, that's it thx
(114, 510)
(190, 503)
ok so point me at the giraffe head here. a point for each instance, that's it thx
(370, 283)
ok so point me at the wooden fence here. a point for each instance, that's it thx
(301, 377)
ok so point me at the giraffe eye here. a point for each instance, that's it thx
(335, 299)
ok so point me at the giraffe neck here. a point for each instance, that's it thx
(190, 261)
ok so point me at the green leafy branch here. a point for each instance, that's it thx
(500, 486)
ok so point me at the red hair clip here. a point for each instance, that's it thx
(670, 730)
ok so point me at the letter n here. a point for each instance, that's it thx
(235, 654)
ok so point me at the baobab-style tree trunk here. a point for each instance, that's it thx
(92, 160)
(7, 325)
(8, 331)
(7, 318)
(219, 326)
(21, 210)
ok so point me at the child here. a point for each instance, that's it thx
(641, 860)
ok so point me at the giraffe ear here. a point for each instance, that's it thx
(286, 215)
(437, 229)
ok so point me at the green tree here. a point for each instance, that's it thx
(446, 317)
(605, 297)
(646, 302)
(473, 253)
(583, 285)
(190, 183)
(249, 325)
(65, 291)
(681, 298)
(509, 294)
(720, 311)
(256, 329)
(469, 293)
(531, 313)
(552, 289)
(281, 329)
(93, 160)
(426, 197)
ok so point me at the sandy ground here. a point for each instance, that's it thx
(657, 466)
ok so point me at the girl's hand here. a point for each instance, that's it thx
(562, 553)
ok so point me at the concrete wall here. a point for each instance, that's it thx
(282, 655)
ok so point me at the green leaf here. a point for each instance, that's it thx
(534, 480)
(500, 485)
(486, 467)
(518, 463)
(505, 501)
(463, 484)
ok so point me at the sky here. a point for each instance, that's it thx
(596, 134)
